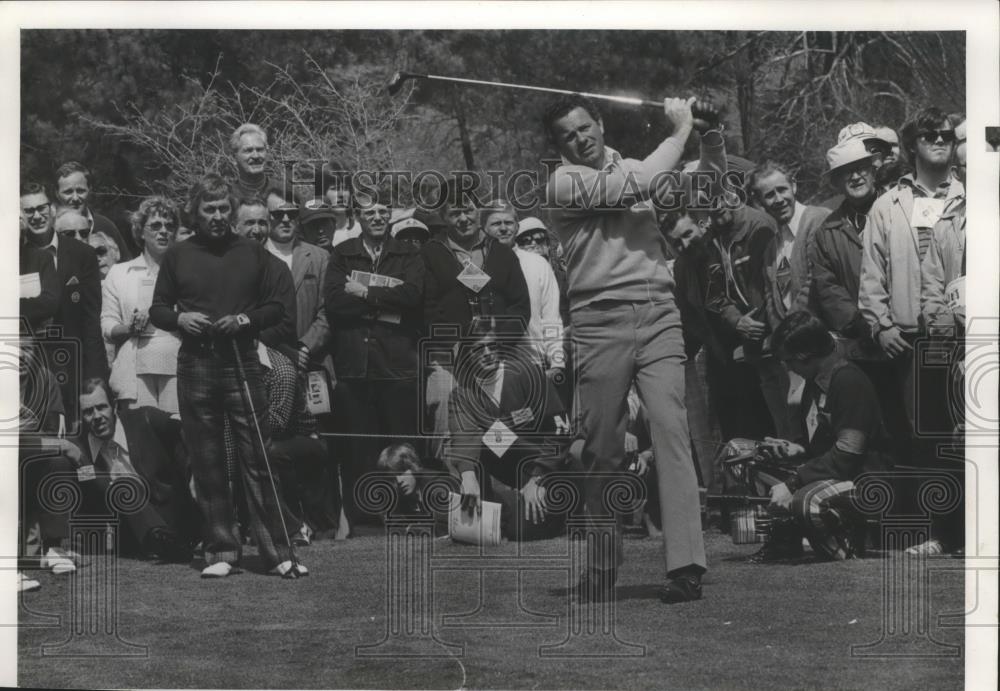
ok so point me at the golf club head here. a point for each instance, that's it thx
(397, 81)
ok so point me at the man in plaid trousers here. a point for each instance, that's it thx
(223, 291)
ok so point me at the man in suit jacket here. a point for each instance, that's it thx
(40, 293)
(308, 266)
(79, 311)
(146, 446)
(773, 189)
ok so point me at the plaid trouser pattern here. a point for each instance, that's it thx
(824, 524)
(823, 513)
(208, 390)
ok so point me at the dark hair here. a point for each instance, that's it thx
(378, 192)
(454, 193)
(929, 118)
(332, 174)
(562, 106)
(800, 333)
(89, 386)
(211, 187)
(285, 195)
(762, 171)
(32, 187)
(70, 167)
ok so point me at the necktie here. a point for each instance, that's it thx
(101, 463)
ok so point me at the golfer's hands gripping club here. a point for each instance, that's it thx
(685, 114)
(227, 325)
(471, 503)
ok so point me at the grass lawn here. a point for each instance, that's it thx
(773, 626)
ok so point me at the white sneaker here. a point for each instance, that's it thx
(219, 569)
(927, 549)
(26, 585)
(290, 569)
(58, 561)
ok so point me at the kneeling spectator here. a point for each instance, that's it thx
(146, 446)
(509, 431)
(841, 436)
(412, 477)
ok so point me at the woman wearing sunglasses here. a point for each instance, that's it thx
(144, 369)
(107, 251)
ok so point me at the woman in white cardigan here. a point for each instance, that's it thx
(144, 370)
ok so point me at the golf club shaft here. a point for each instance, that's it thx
(626, 100)
(263, 447)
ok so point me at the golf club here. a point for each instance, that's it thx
(701, 109)
(267, 463)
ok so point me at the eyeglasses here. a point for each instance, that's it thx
(101, 251)
(529, 240)
(931, 136)
(278, 214)
(157, 226)
(42, 210)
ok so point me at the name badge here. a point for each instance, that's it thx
(473, 278)
(926, 212)
(522, 416)
(31, 285)
(498, 438)
(85, 473)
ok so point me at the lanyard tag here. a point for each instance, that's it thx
(473, 278)
(926, 212)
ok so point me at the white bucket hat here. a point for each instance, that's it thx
(845, 153)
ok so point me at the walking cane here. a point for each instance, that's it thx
(248, 399)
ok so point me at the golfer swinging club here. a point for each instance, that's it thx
(222, 288)
(626, 326)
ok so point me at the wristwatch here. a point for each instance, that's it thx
(243, 320)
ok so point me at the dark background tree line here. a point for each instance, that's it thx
(149, 110)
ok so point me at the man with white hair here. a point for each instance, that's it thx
(71, 222)
(248, 145)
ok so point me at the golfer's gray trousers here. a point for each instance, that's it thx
(617, 343)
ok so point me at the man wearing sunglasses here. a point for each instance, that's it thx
(899, 233)
(72, 223)
(79, 312)
(308, 265)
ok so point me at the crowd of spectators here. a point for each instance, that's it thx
(252, 355)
